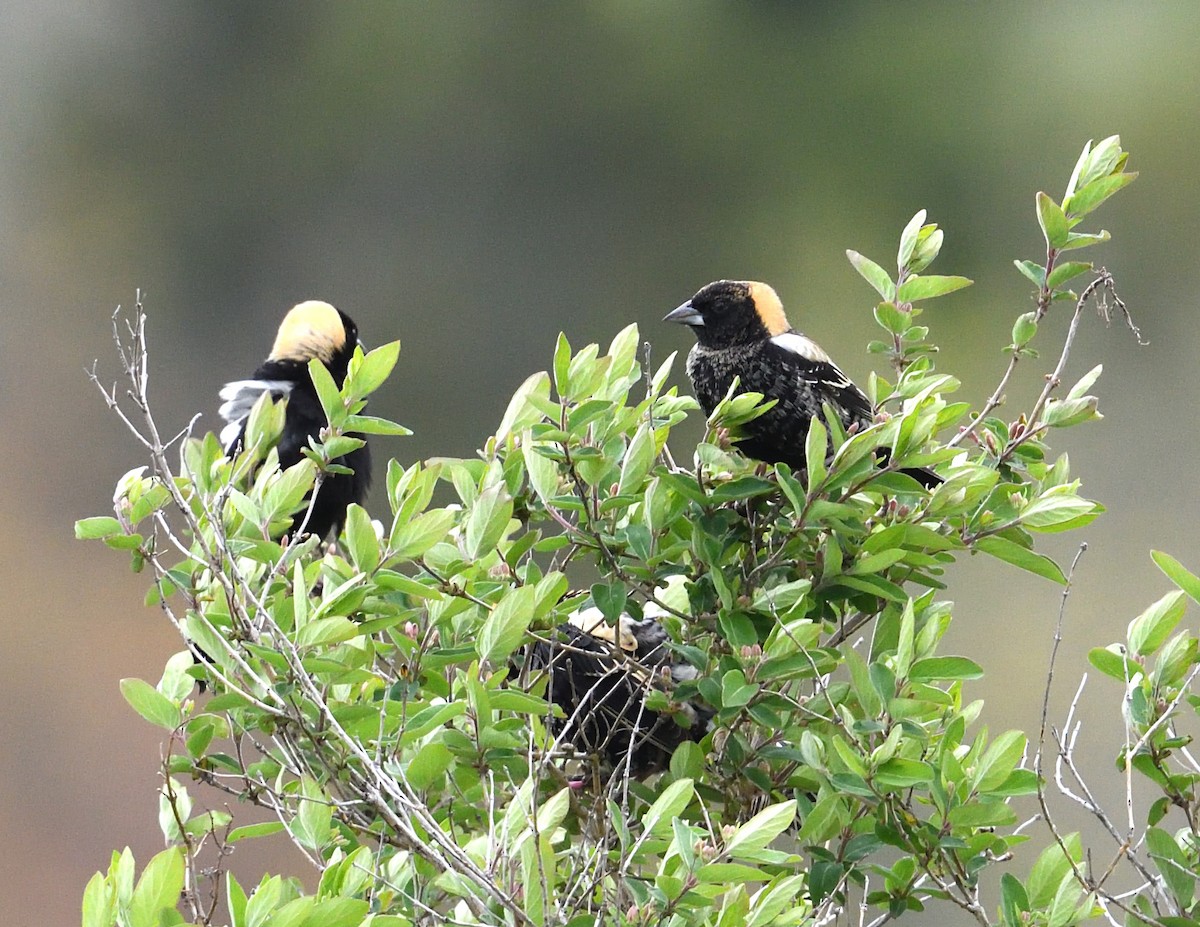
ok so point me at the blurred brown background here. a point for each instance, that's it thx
(474, 178)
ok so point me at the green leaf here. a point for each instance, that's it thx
(1068, 270)
(1054, 509)
(373, 425)
(623, 349)
(1049, 871)
(99, 903)
(899, 773)
(487, 521)
(1080, 162)
(543, 472)
(314, 818)
(815, 447)
(1035, 273)
(1019, 782)
(1024, 328)
(1011, 552)
(120, 876)
(562, 363)
(687, 761)
(1096, 192)
(876, 563)
(326, 631)
(1104, 158)
(908, 239)
(374, 369)
(875, 585)
(124, 542)
(1053, 221)
(639, 458)
(982, 814)
(521, 411)
(428, 765)
(264, 900)
(874, 275)
(1153, 626)
(1177, 573)
(1082, 240)
(265, 423)
(250, 831)
(361, 542)
(236, 896)
(1111, 661)
(505, 626)
(937, 668)
(929, 244)
(916, 288)
(1063, 413)
(610, 598)
(715, 873)
(668, 806)
(761, 829)
(412, 539)
(151, 704)
(158, 889)
(771, 901)
(1085, 382)
(893, 319)
(735, 691)
(1173, 863)
(297, 912)
(286, 494)
(519, 702)
(999, 760)
(102, 526)
(430, 717)
(1013, 901)
(327, 392)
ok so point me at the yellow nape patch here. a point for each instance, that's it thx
(769, 308)
(311, 329)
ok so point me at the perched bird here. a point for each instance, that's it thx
(741, 331)
(600, 675)
(310, 330)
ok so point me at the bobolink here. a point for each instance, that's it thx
(741, 331)
(310, 330)
(600, 675)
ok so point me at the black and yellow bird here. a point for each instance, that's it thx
(310, 330)
(741, 331)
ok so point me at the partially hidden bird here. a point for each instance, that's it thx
(312, 329)
(600, 676)
(741, 331)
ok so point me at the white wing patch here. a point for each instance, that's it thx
(802, 345)
(811, 351)
(240, 396)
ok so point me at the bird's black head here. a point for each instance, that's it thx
(732, 312)
(315, 329)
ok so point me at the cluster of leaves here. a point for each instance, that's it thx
(376, 699)
(1158, 670)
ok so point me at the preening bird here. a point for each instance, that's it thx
(310, 330)
(600, 675)
(741, 331)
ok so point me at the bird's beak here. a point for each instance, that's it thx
(685, 315)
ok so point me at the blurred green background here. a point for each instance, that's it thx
(473, 178)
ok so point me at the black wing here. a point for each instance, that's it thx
(818, 374)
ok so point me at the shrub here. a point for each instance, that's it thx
(391, 700)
